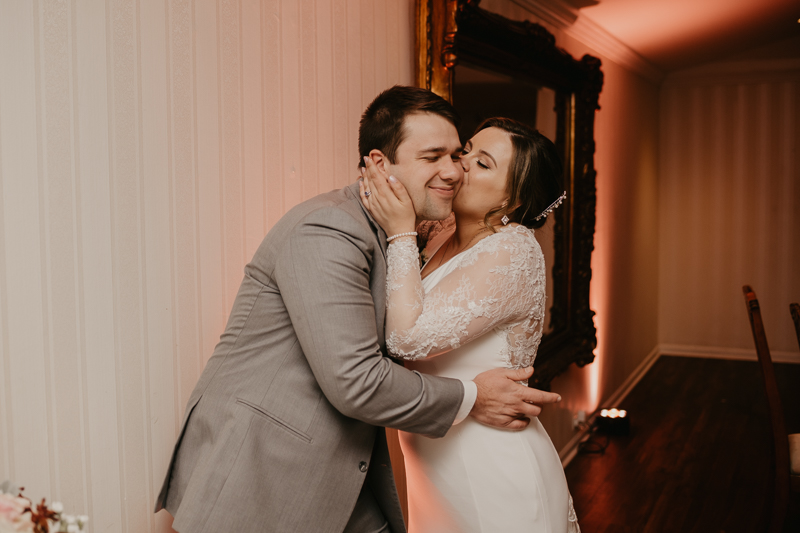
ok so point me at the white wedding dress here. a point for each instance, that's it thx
(483, 309)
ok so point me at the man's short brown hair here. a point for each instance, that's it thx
(383, 122)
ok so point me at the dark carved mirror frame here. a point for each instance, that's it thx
(453, 30)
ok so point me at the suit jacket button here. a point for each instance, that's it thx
(362, 466)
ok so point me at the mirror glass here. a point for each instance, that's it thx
(479, 94)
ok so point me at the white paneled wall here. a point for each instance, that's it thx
(729, 204)
(146, 146)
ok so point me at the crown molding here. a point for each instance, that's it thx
(599, 39)
(556, 12)
(564, 16)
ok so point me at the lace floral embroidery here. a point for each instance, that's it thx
(572, 518)
(496, 285)
(402, 258)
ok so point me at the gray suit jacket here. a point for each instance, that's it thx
(283, 427)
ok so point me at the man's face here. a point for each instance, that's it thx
(427, 164)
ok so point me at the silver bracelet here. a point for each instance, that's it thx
(406, 234)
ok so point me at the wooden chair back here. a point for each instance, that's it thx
(780, 499)
(795, 310)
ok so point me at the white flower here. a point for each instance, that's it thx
(57, 507)
(83, 519)
(70, 519)
(73, 528)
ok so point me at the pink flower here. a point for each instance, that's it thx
(11, 517)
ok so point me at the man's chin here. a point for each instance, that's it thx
(434, 215)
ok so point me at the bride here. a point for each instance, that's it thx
(478, 303)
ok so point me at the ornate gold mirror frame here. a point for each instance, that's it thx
(449, 31)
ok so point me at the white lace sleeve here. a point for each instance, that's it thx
(498, 284)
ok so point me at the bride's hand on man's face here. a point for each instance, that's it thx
(386, 199)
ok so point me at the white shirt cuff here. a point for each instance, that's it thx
(470, 395)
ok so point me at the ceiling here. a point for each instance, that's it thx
(677, 34)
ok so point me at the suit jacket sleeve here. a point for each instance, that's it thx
(323, 274)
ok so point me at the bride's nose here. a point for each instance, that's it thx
(465, 166)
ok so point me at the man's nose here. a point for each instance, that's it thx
(452, 171)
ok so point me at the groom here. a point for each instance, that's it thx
(283, 431)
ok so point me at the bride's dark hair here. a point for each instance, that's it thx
(535, 174)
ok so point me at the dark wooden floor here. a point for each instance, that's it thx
(698, 455)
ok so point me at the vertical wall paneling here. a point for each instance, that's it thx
(343, 160)
(379, 45)
(369, 57)
(252, 89)
(230, 117)
(6, 429)
(101, 449)
(28, 366)
(355, 68)
(392, 66)
(326, 172)
(63, 250)
(729, 202)
(788, 193)
(146, 147)
(185, 259)
(207, 110)
(309, 163)
(291, 126)
(129, 255)
(154, 226)
(41, 21)
(272, 54)
(74, 496)
(6, 436)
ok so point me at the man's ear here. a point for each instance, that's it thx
(380, 160)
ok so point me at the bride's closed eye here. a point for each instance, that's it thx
(480, 163)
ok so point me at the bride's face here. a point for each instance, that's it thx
(486, 158)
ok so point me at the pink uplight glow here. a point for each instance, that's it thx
(598, 301)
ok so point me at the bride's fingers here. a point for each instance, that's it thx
(368, 174)
(379, 184)
(365, 179)
(399, 190)
(362, 194)
(370, 194)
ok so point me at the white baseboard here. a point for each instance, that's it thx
(735, 354)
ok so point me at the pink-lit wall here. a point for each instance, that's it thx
(730, 205)
(146, 146)
(624, 289)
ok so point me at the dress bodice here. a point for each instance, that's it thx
(497, 286)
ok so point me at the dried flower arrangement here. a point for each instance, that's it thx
(19, 515)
